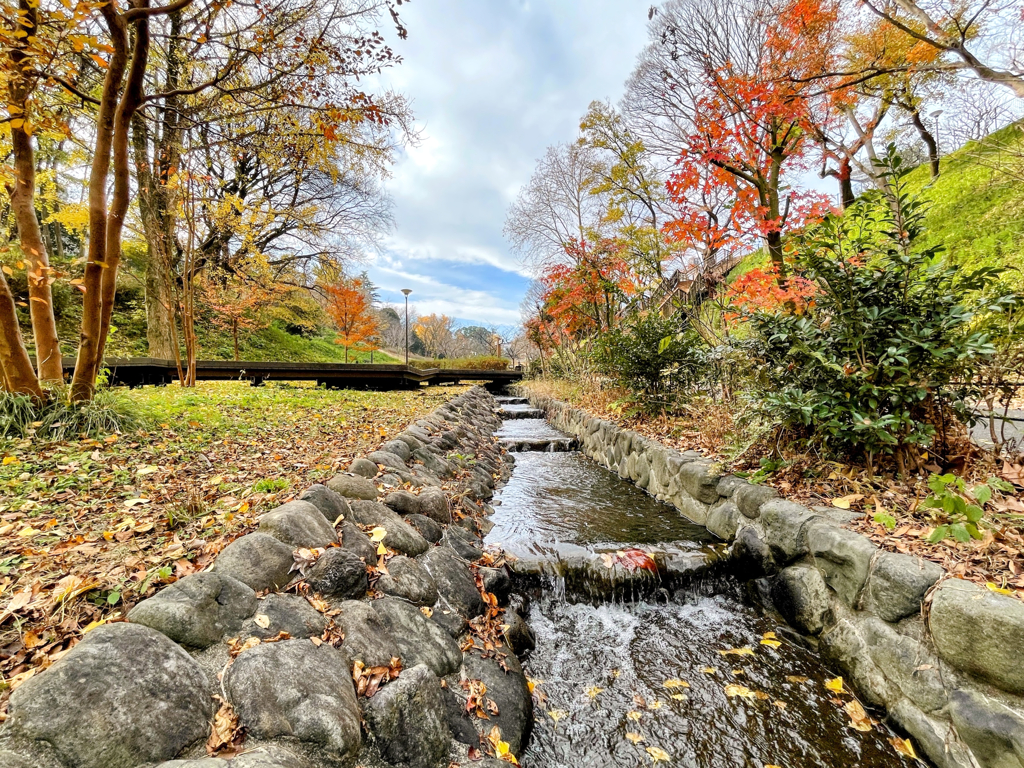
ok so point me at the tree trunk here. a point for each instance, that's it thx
(87, 363)
(929, 142)
(234, 334)
(15, 364)
(846, 183)
(44, 326)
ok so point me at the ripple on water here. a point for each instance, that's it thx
(629, 650)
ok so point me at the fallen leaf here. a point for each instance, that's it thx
(658, 755)
(744, 651)
(903, 747)
(739, 690)
(796, 679)
(633, 714)
(261, 620)
(858, 717)
(995, 588)
(557, 714)
(835, 684)
(675, 683)
(635, 738)
(845, 502)
(593, 691)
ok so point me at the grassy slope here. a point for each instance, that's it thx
(976, 207)
(271, 343)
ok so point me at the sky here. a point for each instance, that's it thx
(493, 83)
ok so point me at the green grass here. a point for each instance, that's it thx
(976, 206)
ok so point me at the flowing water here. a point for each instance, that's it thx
(634, 682)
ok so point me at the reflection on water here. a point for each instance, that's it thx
(566, 498)
(601, 667)
(528, 429)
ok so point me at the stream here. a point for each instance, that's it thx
(635, 677)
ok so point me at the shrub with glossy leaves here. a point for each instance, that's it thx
(871, 365)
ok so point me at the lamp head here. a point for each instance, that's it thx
(407, 291)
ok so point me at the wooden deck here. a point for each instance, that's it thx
(139, 371)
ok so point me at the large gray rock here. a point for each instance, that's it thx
(843, 644)
(299, 524)
(387, 459)
(934, 737)
(269, 756)
(752, 557)
(295, 689)
(406, 719)
(400, 537)
(979, 632)
(363, 467)
(426, 527)
(284, 613)
(339, 572)
(785, 529)
(464, 543)
(993, 731)
(357, 542)
(801, 596)
(353, 486)
(403, 502)
(201, 762)
(723, 520)
(700, 480)
(508, 690)
(332, 505)
(258, 560)
(842, 556)
(750, 497)
(409, 580)
(897, 585)
(366, 635)
(455, 583)
(433, 464)
(433, 503)
(398, 448)
(907, 664)
(419, 640)
(518, 634)
(198, 610)
(125, 695)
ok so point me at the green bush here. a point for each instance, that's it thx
(60, 418)
(647, 352)
(871, 367)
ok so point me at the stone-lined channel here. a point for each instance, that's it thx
(609, 639)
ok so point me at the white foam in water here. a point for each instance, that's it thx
(595, 664)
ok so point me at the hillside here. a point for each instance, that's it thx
(975, 207)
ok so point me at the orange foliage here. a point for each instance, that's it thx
(761, 290)
(349, 307)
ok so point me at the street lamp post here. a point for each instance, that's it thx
(935, 116)
(407, 291)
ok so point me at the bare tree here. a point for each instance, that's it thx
(555, 208)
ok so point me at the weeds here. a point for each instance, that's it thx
(58, 417)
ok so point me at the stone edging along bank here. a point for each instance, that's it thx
(325, 660)
(944, 657)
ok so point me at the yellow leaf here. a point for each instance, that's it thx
(676, 683)
(593, 691)
(989, 584)
(381, 549)
(10, 460)
(635, 738)
(7, 270)
(633, 714)
(92, 625)
(378, 534)
(739, 690)
(261, 620)
(845, 502)
(28, 531)
(835, 684)
(903, 747)
(557, 714)
(796, 679)
(656, 704)
(658, 755)
(709, 670)
(744, 651)
(17, 123)
(771, 643)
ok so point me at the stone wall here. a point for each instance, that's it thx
(325, 658)
(943, 657)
